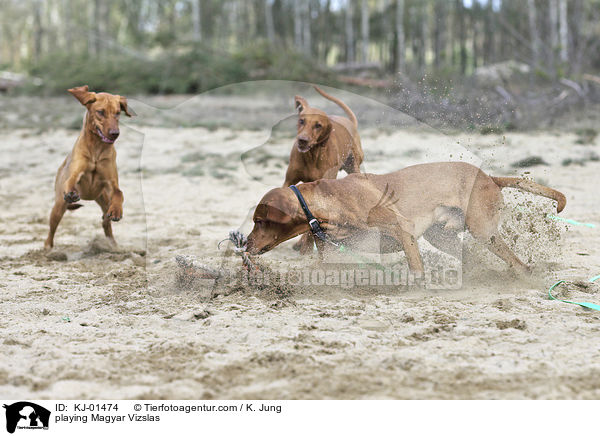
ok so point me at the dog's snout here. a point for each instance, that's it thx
(250, 247)
(302, 142)
(113, 134)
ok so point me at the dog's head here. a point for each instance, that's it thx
(103, 112)
(277, 218)
(314, 126)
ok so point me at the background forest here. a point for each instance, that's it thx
(418, 51)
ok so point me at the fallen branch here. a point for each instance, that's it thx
(564, 93)
(573, 85)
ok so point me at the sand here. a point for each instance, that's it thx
(93, 321)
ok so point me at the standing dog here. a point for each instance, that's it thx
(90, 171)
(450, 195)
(324, 146)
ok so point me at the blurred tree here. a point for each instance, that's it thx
(553, 35)
(197, 20)
(439, 32)
(306, 29)
(269, 21)
(563, 31)
(38, 30)
(400, 48)
(489, 45)
(415, 37)
(533, 33)
(462, 34)
(298, 24)
(364, 27)
(349, 27)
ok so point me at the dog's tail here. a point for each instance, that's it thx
(534, 188)
(340, 103)
(74, 206)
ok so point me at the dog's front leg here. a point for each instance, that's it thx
(70, 193)
(115, 210)
(413, 256)
(390, 218)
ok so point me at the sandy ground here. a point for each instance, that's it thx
(91, 321)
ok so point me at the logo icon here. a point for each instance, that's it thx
(26, 415)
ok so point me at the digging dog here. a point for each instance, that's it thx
(403, 205)
(89, 172)
(325, 144)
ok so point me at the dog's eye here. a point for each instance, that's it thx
(318, 126)
(301, 121)
(117, 114)
(100, 112)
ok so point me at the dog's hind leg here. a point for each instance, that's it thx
(482, 219)
(497, 246)
(411, 250)
(104, 204)
(60, 206)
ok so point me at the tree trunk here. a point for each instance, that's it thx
(38, 31)
(553, 35)
(95, 26)
(489, 48)
(326, 31)
(103, 25)
(423, 36)
(196, 20)
(66, 25)
(297, 25)
(269, 21)
(91, 30)
(417, 15)
(577, 38)
(533, 33)
(400, 48)
(306, 35)
(439, 32)
(364, 27)
(563, 31)
(385, 29)
(475, 30)
(460, 11)
(349, 32)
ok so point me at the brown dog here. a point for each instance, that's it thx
(324, 146)
(90, 171)
(449, 195)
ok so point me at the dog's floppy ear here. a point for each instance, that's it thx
(327, 129)
(82, 94)
(300, 103)
(276, 215)
(123, 102)
(272, 213)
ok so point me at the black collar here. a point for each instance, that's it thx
(315, 227)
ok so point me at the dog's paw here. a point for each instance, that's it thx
(72, 196)
(114, 213)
